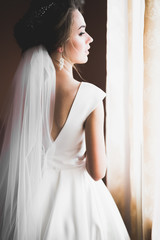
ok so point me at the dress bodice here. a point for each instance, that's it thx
(69, 148)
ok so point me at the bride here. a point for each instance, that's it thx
(53, 155)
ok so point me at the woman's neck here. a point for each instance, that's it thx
(66, 71)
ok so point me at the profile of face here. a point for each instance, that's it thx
(77, 46)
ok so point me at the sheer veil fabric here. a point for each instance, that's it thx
(21, 160)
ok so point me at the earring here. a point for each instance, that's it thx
(61, 63)
(61, 60)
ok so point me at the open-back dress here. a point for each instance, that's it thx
(69, 204)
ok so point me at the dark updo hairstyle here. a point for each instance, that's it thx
(47, 23)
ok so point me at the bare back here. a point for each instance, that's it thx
(66, 92)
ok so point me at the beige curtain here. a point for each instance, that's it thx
(133, 113)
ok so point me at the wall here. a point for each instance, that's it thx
(95, 16)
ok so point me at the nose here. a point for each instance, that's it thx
(89, 39)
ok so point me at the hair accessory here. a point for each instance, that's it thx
(36, 14)
(40, 12)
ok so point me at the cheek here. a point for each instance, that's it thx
(77, 44)
(75, 50)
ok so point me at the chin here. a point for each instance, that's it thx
(84, 60)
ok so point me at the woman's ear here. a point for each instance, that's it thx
(60, 49)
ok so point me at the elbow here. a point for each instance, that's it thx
(96, 169)
(96, 176)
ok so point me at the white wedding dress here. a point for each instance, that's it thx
(46, 192)
(69, 204)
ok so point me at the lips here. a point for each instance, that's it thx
(87, 51)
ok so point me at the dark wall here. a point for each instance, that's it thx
(93, 71)
(95, 14)
(10, 12)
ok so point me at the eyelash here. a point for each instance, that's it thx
(81, 33)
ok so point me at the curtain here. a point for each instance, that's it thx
(133, 113)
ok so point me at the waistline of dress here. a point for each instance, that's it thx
(53, 162)
(56, 165)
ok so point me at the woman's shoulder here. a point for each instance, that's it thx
(93, 89)
(91, 96)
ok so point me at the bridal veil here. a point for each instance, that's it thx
(21, 160)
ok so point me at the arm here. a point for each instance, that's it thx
(96, 158)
